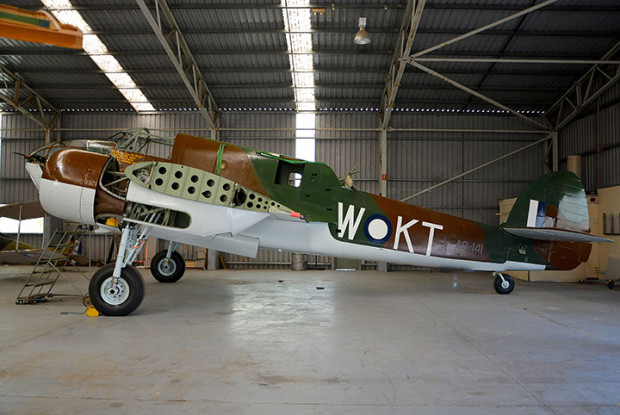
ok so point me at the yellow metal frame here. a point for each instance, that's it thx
(38, 27)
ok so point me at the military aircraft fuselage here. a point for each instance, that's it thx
(235, 199)
(388, 229)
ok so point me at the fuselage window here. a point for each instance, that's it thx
(289, 174)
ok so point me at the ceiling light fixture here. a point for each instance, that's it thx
(98, 52)
(362, 37)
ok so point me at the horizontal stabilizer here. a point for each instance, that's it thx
(555, 234)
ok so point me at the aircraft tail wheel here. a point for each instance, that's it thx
(167, 270)
(118, 299)
(504, 283)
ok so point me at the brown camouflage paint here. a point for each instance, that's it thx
(77, 167)
(200, 153)
(459, 238)
(563, 255)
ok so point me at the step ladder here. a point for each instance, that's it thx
(52, 264)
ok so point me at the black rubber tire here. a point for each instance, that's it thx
(502, 290)
(177, 263)
(130, 280)
(611, 284)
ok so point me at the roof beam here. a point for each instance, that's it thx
(583, 92)
(137, 52)
(271, 85)
(406, 36)
(478, 95)
(381, 30)
(532, 60)
(352, 5)
(260, 101)
(174, 44)
(412, 61)
(447, 56)
(483, 28)
(327, 70)
(45, 114)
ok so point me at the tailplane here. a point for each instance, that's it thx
(553, 208)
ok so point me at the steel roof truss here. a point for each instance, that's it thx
(483, 28)
(181, 57)
(478, 95)
(407, 33)
(45, 115)
(412, 61)
(583, 92)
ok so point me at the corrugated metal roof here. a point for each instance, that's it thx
(240, 47)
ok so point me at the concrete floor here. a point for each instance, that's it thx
(241, 342)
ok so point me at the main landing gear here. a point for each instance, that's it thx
(168, 266)
(118, 289)
(116, 296)
(504, 283)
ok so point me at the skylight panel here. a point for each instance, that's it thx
(98, 52)
(297, 25)
(303, 79)
(304, 94)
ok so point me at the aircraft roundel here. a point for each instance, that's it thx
(378, 229)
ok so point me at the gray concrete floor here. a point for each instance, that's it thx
(241, 342)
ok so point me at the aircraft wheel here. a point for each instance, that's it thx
(506, 286)
(167, 271)
(119, 300)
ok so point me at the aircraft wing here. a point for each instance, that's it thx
(24, 256)
(554, 234)
(29, 210)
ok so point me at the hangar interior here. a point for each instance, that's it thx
(453, 105)
(538, 82)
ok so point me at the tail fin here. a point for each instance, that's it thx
(553, 208)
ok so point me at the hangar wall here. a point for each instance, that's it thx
(594, 135)
(421, 152)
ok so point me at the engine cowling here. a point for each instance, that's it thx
(69, 182)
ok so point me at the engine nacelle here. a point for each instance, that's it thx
(68, 186)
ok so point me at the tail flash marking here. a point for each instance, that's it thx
(536, 214)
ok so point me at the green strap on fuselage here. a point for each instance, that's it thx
(220, 156)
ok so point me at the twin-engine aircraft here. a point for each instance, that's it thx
(234, 199)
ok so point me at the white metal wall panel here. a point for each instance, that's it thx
(426, 149)
(81, 125)
(269, 132)
(348, 140)
(595, 135)
(19, 135)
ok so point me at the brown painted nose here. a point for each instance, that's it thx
(77, 167)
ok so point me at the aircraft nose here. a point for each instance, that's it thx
(35, 172)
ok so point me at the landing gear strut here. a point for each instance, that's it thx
(504, 283)
(168, 265)
(118, 289)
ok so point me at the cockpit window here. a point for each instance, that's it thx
(43, 153)
(289, 174)
(102, 147)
